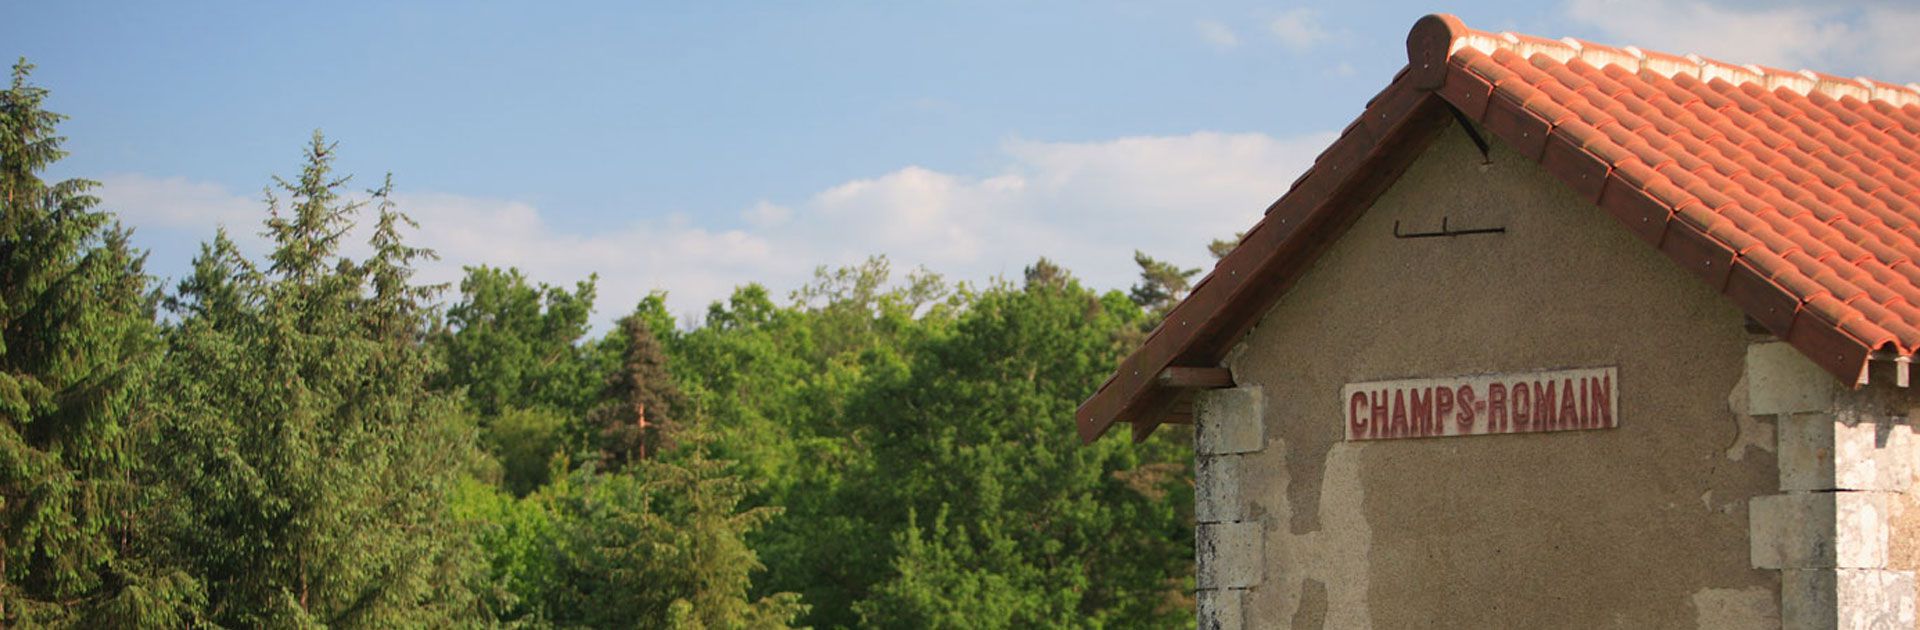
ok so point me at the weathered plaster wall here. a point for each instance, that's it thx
(1637, 527)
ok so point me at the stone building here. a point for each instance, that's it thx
(1562, 335)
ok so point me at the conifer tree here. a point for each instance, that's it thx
(636, 417)
(76, 342)
(308, 461)
(1162, 284)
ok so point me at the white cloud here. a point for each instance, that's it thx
(1085, 205)
(177, 202)
(1838, 37)
(766, 214)
(1217, 34)
(1299, 29)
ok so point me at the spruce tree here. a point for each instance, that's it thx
(309, 462)
(1162, 284)
(76, 343)
(636, 416)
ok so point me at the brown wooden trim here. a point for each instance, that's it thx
(1196, 377)
(1131, 395)
(1361, 164)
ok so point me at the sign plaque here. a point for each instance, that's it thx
(1486, 404)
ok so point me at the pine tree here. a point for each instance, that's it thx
(1162, 284)
(76, 344)
(1220, 247)
(636, 417)
(308, 461)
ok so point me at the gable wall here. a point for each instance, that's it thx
(1640, 526)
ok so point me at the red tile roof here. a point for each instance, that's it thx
(1796, 194)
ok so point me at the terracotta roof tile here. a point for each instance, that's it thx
(1807, 179)
(1797, 194)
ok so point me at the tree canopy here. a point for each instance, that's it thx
(297, 437)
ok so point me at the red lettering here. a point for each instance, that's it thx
(1497, 408)
(1378, 427)
(1465, 419)
(1356, 423)
(1602, 390)
(1586, 404)
(1544, 416)
(1442, 406)
(1399, 423)
(1569, 415)
(1422, 403)
(1522, 407)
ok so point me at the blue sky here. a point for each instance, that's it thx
(692, 147)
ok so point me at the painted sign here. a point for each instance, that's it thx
(1560, 400)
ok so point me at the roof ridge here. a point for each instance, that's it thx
(1636, 60)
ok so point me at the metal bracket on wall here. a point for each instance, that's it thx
(1479, 141)
(1445, 231)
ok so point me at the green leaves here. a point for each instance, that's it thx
(308, 460)
(308, 441)
(76, 341)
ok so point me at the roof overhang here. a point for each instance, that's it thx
(1372, 153)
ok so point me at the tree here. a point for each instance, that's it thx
(307, 463)
(514, 344)
(1161, 285)
(1029, 528)
(1220, 247)
(637, 415)
(76, 346)
(661, 544)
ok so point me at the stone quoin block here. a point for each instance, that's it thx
(1846, 598)
(1216, 489)
(1229, 421)
(1229, 555)
(1781, 380)
(1819, 453)
(1819, 530)
(1222, 609)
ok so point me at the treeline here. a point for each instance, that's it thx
(305, 439)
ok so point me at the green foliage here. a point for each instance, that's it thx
(1162, 284)
(526, 442)
(308, 467)
(636, 416)
(661, 544)
(1041, 530)
(1220, 247)
(76, 342)
(512, 344)
(309, 441)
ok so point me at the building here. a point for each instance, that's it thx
(1562, 335)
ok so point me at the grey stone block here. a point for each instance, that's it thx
(1216, 489)
(1229, 555)
(1818, 453)
(1229, 421)
(1818, 530)
(1846, 598)
(1781, 380)
(1221, 609)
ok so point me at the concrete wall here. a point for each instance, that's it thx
(1642, 526)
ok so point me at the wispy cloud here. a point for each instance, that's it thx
(1299, 29)
(1087, 205)
(1217, 34)
(1839, 37)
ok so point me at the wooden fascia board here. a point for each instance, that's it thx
(1293, 223)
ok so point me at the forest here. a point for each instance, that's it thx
(298, 438)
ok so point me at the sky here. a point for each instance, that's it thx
(695, 147)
